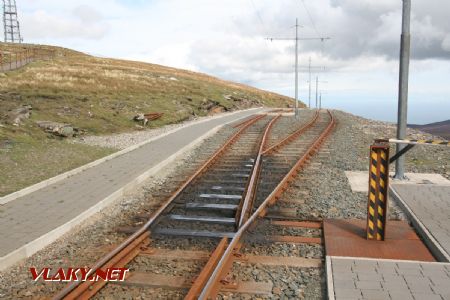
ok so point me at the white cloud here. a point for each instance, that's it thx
(446, 43)
(226, 39)
(83, 22)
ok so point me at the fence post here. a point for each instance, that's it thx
(378, 191)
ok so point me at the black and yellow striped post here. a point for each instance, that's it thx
(378, 191)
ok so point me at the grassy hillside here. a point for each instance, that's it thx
(99, 96)
(439, 128)
(115, 90)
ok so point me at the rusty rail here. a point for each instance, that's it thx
(282, 110)
(292, 136)
(153, 116)
(206, 272)
(213, 285)
(245, 121)
(250, 190)
(76, 289)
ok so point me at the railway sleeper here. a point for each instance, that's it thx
(211, 206)
(203, 219)
(179, 282)
(212, 189)
(221, 196)
(193, 233)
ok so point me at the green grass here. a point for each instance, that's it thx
(73, 85)
(26, 159)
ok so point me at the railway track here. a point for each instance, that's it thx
(214, 207)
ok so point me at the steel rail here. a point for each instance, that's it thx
(251, 187)
(201, 279)
(206, 271)
(244, 122)
(247, 204)
(281, 110)
(70, 291)
(292, 135)
(212, 286)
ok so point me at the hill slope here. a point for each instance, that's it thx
(104, 94)
(439, 128)
(99, 96)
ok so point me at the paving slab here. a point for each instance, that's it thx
(431, 280)
(359, 180)
(428, 207)
(36, 219)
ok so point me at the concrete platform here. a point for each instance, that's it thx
(428, 208)
(348, 238)
(36, 217)
(351, 278)
(426, 200)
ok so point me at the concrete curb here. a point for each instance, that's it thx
(330, 282)
(48, 238)
(427, 237)
(390, 260)
(47, 182)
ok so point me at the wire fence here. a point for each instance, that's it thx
(14, 60)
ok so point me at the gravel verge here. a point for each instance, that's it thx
(124, 140)
(322, 191)
(322, 188)
(95, 237)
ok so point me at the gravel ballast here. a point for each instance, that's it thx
(320, 191)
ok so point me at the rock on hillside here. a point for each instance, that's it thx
(102, 95)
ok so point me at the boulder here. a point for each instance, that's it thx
(58, 129)
(17, 115)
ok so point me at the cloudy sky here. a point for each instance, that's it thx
(357, 68)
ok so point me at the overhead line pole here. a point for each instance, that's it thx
(405, 46)
(309, 99)
(317, 90)
(318, 99)
(310, 67)
(296, 57)
(296, 67)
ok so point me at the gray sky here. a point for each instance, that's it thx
(227, 39)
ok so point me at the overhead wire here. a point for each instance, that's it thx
(310, 18)
(259, 17)
(322, 42)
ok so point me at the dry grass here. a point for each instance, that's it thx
(100, 96)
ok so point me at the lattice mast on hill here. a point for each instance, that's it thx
(10, 22)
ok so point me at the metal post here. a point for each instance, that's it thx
(320, 100)
(296, 59)
(377, 206)
(309, 103)
(317, 91)
(403, 87)
(296, 67)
